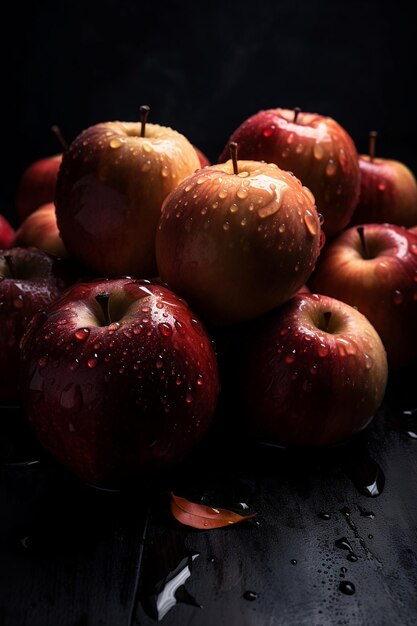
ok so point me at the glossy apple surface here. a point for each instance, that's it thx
(202, 157)
(381, 281)
(29, 280)
(316, 148)
(121, 388)
(315, 373)
(388, 193)
(37, 185)
(40, 229)
(7, 233)
(110, 190)
(236, 245)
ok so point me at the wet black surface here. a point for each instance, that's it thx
(334, 540)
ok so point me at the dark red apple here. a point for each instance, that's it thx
(113, 180)
(237, 239)
(7, 233)
(120, 380)
(40, 229)
(316, 148)
(29, 280)
(315, 373)
(388, 191)
(37, 185)
(374, 267)
(202, 157)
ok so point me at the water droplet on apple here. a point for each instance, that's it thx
(165, 329)
(74, 365)
(201, 180)
(188, 188)
(268, 131)
(18, 302)
(382, 186)
(92, 361)
(318, 151)
(164, 171)
(200, 380)
(331, 168)
(81, 333)
(347, 587)
(398, 297)
(128, 333)
(226, 226)
(116, 143)
(146, 166)
(147, 147)
(323, 350)
(311, 223)
(242, 193)
(197, 327)
(233, 208)
(180, 327)
(188, 397)
(223, 193)
(368, 361)
(137, 329)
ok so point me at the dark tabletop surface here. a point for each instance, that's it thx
(334, 539)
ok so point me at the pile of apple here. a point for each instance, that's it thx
(132, 251)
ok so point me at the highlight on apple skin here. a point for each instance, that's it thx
(315, 147)
(237, 239)
(120, 380)
(314, 373)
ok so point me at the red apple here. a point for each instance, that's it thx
(40, 229)
(374, 267)
(413, 230)
(316, 148)
(29, 280)
(120, 380)
(388, 191)
(315, 373)
(110, 189)
(235, 245)
(202, 157)
(7, 233)
(37, 185)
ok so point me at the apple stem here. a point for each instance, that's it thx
(297, 112)
(57, 132)
(10, 264)
(144, 112)
(103, 299)
(233, 156)
(327, 315)
(372, 143)
(365, 248)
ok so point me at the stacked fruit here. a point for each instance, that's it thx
(293, 250)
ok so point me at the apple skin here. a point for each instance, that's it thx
(37, 185)
(308, 387)
(388, 193)
(37, 280)
(109, 193)
(120, 401)
(7, 233)
(237, 245)
(383, 287)
(40, 230)
(202, 157)
(413, 230)
(316, 148)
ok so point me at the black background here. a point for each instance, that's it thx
(203, 69)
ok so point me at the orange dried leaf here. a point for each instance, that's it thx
(203, 516)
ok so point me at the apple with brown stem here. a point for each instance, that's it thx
(110, 188)
(316, 148)
(388, 190)
(237, 239)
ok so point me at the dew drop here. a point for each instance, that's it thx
(270, 209)
(242, 193)
(398, 297)
(165, 329)
(382, 186)
(146, 166)
(324, 515)
(310, 222)
(81, 333)
(251, 596)
(147, 147)
(318, 151)
(281, 228)
(222, 193)
(331, 168)
(188, 188)
(188, 398)
(165, 171)
(323, 350)
(201, 180)
(92, 361)
(293, 561)
(197, 327)
(233, 208)
(200, 380)
(116, 143)
(268, 131)
(226, 226)
(180, 327)
(159, 363)
(347, 587)
(368, 361)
